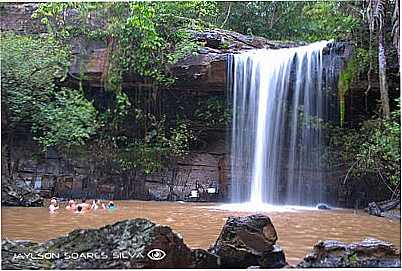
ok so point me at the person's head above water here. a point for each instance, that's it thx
(83, 200)
(79, 208)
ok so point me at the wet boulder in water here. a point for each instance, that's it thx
(367, 253)
(18, 193)
(323, 206)
(248, 241)
(374, 209)
(137, 243)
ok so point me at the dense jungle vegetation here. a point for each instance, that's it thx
(147, 38)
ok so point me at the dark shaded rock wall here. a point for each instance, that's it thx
(81, 177)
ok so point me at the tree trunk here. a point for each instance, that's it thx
(396, 29)
(382, 64)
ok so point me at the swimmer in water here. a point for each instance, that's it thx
(71, 205)
(53, 201)
(84, 205)
(101, 204)
(79, 210)
(53, 206)
(94, 205)
(111, 205)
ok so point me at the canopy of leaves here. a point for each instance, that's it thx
(67, 120)
(287, 20)
(31, 69)
(371, 149)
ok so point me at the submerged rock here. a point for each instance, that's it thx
(18, 193)
(137, 243)
(367, 253)
(248, 241)
(374, 209)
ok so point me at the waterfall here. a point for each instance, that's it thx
(280, 99)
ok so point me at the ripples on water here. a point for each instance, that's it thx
(200, 224)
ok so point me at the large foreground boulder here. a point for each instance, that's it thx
(249, 241)
(367, 253)
(137, 243)
(18, 193)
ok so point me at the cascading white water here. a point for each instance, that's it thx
(279, 102)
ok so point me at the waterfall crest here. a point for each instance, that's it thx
(279, 100)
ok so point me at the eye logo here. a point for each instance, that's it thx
(156, 254)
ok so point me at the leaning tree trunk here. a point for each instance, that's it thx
(382, 64)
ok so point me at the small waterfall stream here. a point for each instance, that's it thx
(280, 99)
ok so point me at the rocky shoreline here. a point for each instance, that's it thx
(244, 242)
(19, 194)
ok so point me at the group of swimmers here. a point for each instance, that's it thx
(72, 205)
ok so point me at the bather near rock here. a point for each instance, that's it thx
(18, 193)
(137, 243)
(249, 241)
(367, 253)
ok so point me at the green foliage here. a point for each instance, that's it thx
(354, 67)
(287, 20)
(32, 66)
(67, 120)
(372, 149)
(179, 140)
(325, 20)
(215, 111)
(144, 38)
(157, 148)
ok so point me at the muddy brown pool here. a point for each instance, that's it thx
(200, 224)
